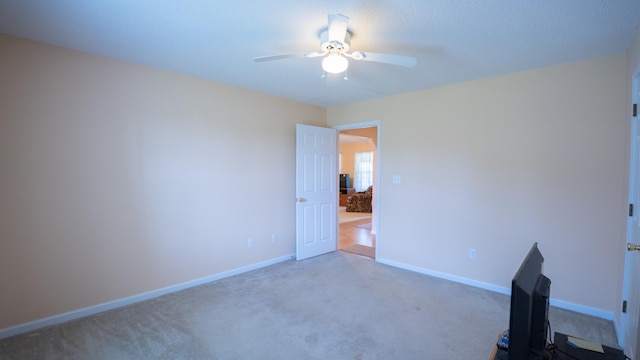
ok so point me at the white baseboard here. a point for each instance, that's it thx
(458, 279)
(582, 309)
(91, 310)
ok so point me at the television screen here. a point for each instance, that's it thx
(344, 181)
(528, 318)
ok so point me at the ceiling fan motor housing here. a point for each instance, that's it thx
(334, 46)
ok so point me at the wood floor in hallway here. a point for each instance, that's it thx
(355, 232)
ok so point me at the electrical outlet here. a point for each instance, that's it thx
(250, 243)
(274, 238)
(472, 254)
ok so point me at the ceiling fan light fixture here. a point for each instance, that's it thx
(335, 64)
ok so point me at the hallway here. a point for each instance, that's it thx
(356, 232)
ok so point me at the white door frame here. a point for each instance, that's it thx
(632, 227)
(376, 180)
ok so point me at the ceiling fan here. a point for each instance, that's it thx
(334, 46)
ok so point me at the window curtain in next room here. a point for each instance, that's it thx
(363, 170)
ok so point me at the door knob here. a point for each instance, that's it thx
(631, 247)
(302, 199)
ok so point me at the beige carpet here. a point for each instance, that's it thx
(361, 250)
(344, 216)
(335, 306)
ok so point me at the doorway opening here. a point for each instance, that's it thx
(359, 168)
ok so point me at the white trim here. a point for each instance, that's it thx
(458, 279)
(582, 309)
(92, 310)
(621, 328)
(587, 310)
(360, 125)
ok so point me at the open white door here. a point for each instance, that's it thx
(631, 286)
(316, 191)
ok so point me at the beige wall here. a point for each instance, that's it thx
(117, 179)
(500, 163)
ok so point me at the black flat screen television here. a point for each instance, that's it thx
(344, 181)
(528, 318)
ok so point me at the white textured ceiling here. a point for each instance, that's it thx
(453, 40)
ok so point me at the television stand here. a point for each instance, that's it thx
(566, 351)
(498, 354)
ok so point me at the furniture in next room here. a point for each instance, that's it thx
(344, 194)
(345, 181)
(360, 201)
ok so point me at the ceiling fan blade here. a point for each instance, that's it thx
(338, 27)
(385, 58)
(277, 57)
(315, 54)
